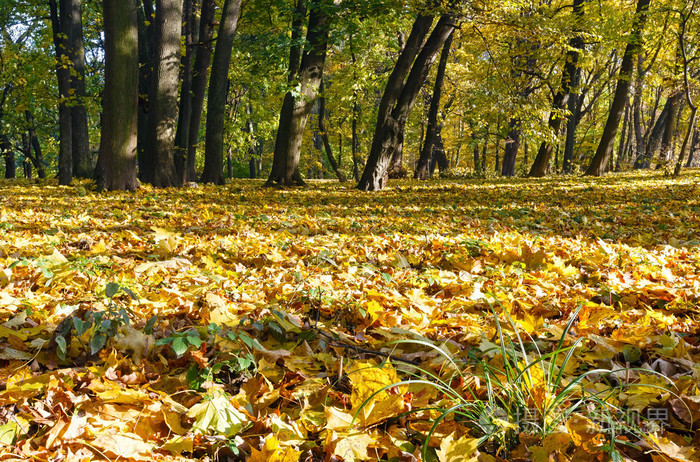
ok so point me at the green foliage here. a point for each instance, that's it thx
(96, 327)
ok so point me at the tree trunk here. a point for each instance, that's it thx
(162, 120)
(398, 98)
(34, 145)
(686, 88)
(189, 12)
(324, 135)
(27, 154)
(200, 73)
(510, 150)
(252, 145)
(147, 38)
(9, 156)
(634, 45)
(434, 126)
(571, 126)
(544, 153)
(650, 142)
(623, 139)
(561, 100)
(116, 164)
(355, 140)
(216, 103)
(693, 148)
(295, 111)
(666, 152)
(82, 163)
(686, 140)
(396, 168)
(569, 82)
(65, 153)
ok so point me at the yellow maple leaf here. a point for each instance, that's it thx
(462, 449)
(373, 399)
(271, 452)
(585, 433)
(354, 447)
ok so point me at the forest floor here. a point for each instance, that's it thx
(446, 320)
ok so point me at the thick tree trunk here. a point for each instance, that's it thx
(396, 168)
(432, 135)
(295, 110)
(200, 74)
(634, 45)
(216, 103)
(162, 120)
(65, 148)
(116, 164)
(82, 162)
(398, 98)
(189, 13)
(324, 136)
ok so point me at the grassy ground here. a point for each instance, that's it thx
(245, 323)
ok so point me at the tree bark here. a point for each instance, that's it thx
(216, 103)
(65, 153)
(355, 140)
(686, 139)
(146, 157)
(116, 164)
(27, 154)
(600, 160)
(685, 17)
(200, 73)
(324, 135)
(396, 169)
(9, 156)
(162, 120)
(82, 162)
(623, 139)
(649, 142)
(693, 148)
(252, 145)
(510, 150)
(666, 152)
(295, 110)
(34, 145)
(434, 127)
(399, 98)
(190, 10)
(569, 82)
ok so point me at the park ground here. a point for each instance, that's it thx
(451, 319)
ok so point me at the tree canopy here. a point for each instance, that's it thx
(519, 76)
